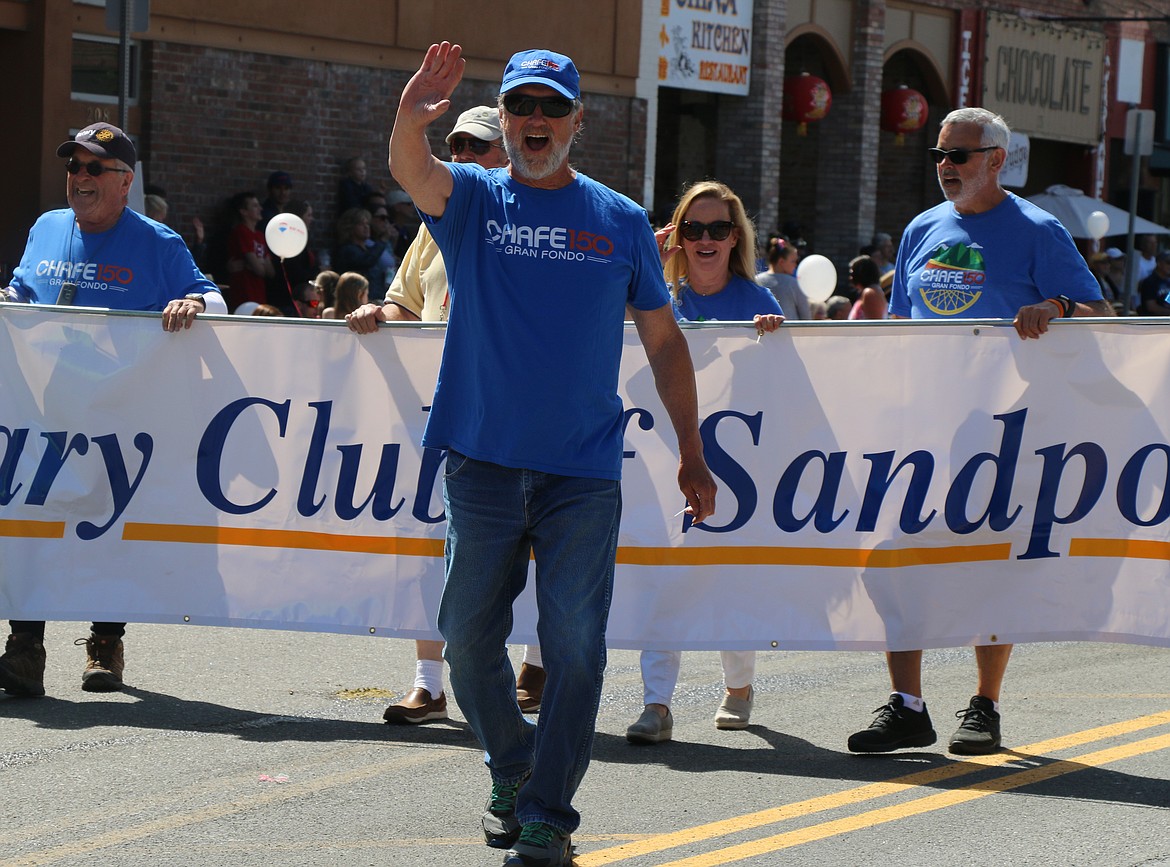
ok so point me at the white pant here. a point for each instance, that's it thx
(660, 672)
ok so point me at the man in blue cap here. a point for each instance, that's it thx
(543, 263)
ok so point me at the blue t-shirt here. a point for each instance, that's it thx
(988, 265)
(137, 265)
(740, 300)
(539, 283)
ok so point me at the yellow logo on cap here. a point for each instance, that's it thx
(104, 135)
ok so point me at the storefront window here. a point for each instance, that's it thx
(95, 69)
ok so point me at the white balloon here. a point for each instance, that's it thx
(1098, 225)
(286, 235)
(817, 277)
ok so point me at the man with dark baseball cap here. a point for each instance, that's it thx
(102, 140)
(99, 253)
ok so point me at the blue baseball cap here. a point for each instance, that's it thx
(541, 66)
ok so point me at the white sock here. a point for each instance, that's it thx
(428, 675)
(913, 702)
(532, 655)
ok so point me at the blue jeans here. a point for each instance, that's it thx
(496, 516)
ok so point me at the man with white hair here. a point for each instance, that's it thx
(984, 253)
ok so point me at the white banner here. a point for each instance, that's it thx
(882, 485)
(705, 45)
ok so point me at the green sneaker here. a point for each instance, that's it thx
(500, 825)
(540, 845)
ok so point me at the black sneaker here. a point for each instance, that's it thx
(500, 825)
(540, 845)
(894, 728)
(978, 733)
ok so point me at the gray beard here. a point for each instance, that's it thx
(546, 164)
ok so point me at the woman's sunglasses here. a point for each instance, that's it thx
(719, 230)
(477, 146)
(550, 106)
(93, 169)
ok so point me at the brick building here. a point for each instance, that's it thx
(222, 93)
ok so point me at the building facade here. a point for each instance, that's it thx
(222, 93)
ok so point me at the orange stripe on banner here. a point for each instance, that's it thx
(1139, 549)
(135, 532)
(882, 558)
(33, 529)
(875, 558)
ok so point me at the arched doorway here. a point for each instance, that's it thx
(906, 179)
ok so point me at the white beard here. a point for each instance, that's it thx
(537, 167)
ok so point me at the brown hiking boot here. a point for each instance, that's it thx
(103, 669)
(530, 687)
(22, 667)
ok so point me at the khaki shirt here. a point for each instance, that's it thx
(420, 285)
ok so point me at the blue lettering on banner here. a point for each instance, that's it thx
(811, 489)
(59, 447)
(735, 479)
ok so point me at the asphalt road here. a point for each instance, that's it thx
(251, 747)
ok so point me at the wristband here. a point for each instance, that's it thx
(1069, 305)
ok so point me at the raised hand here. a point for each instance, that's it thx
(427, 95)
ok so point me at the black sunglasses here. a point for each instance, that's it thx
(550, 106)
(958, 156)
(719, 230)
(477, 146)
(94, 169)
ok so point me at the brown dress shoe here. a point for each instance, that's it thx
(417, 707)
(530, 687)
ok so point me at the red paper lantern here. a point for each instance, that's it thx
(806, 99)
(903, 110)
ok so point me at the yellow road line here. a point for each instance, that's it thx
(860, 794)
(923, 805)
(295, 790)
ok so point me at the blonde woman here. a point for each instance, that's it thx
(708, 256)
